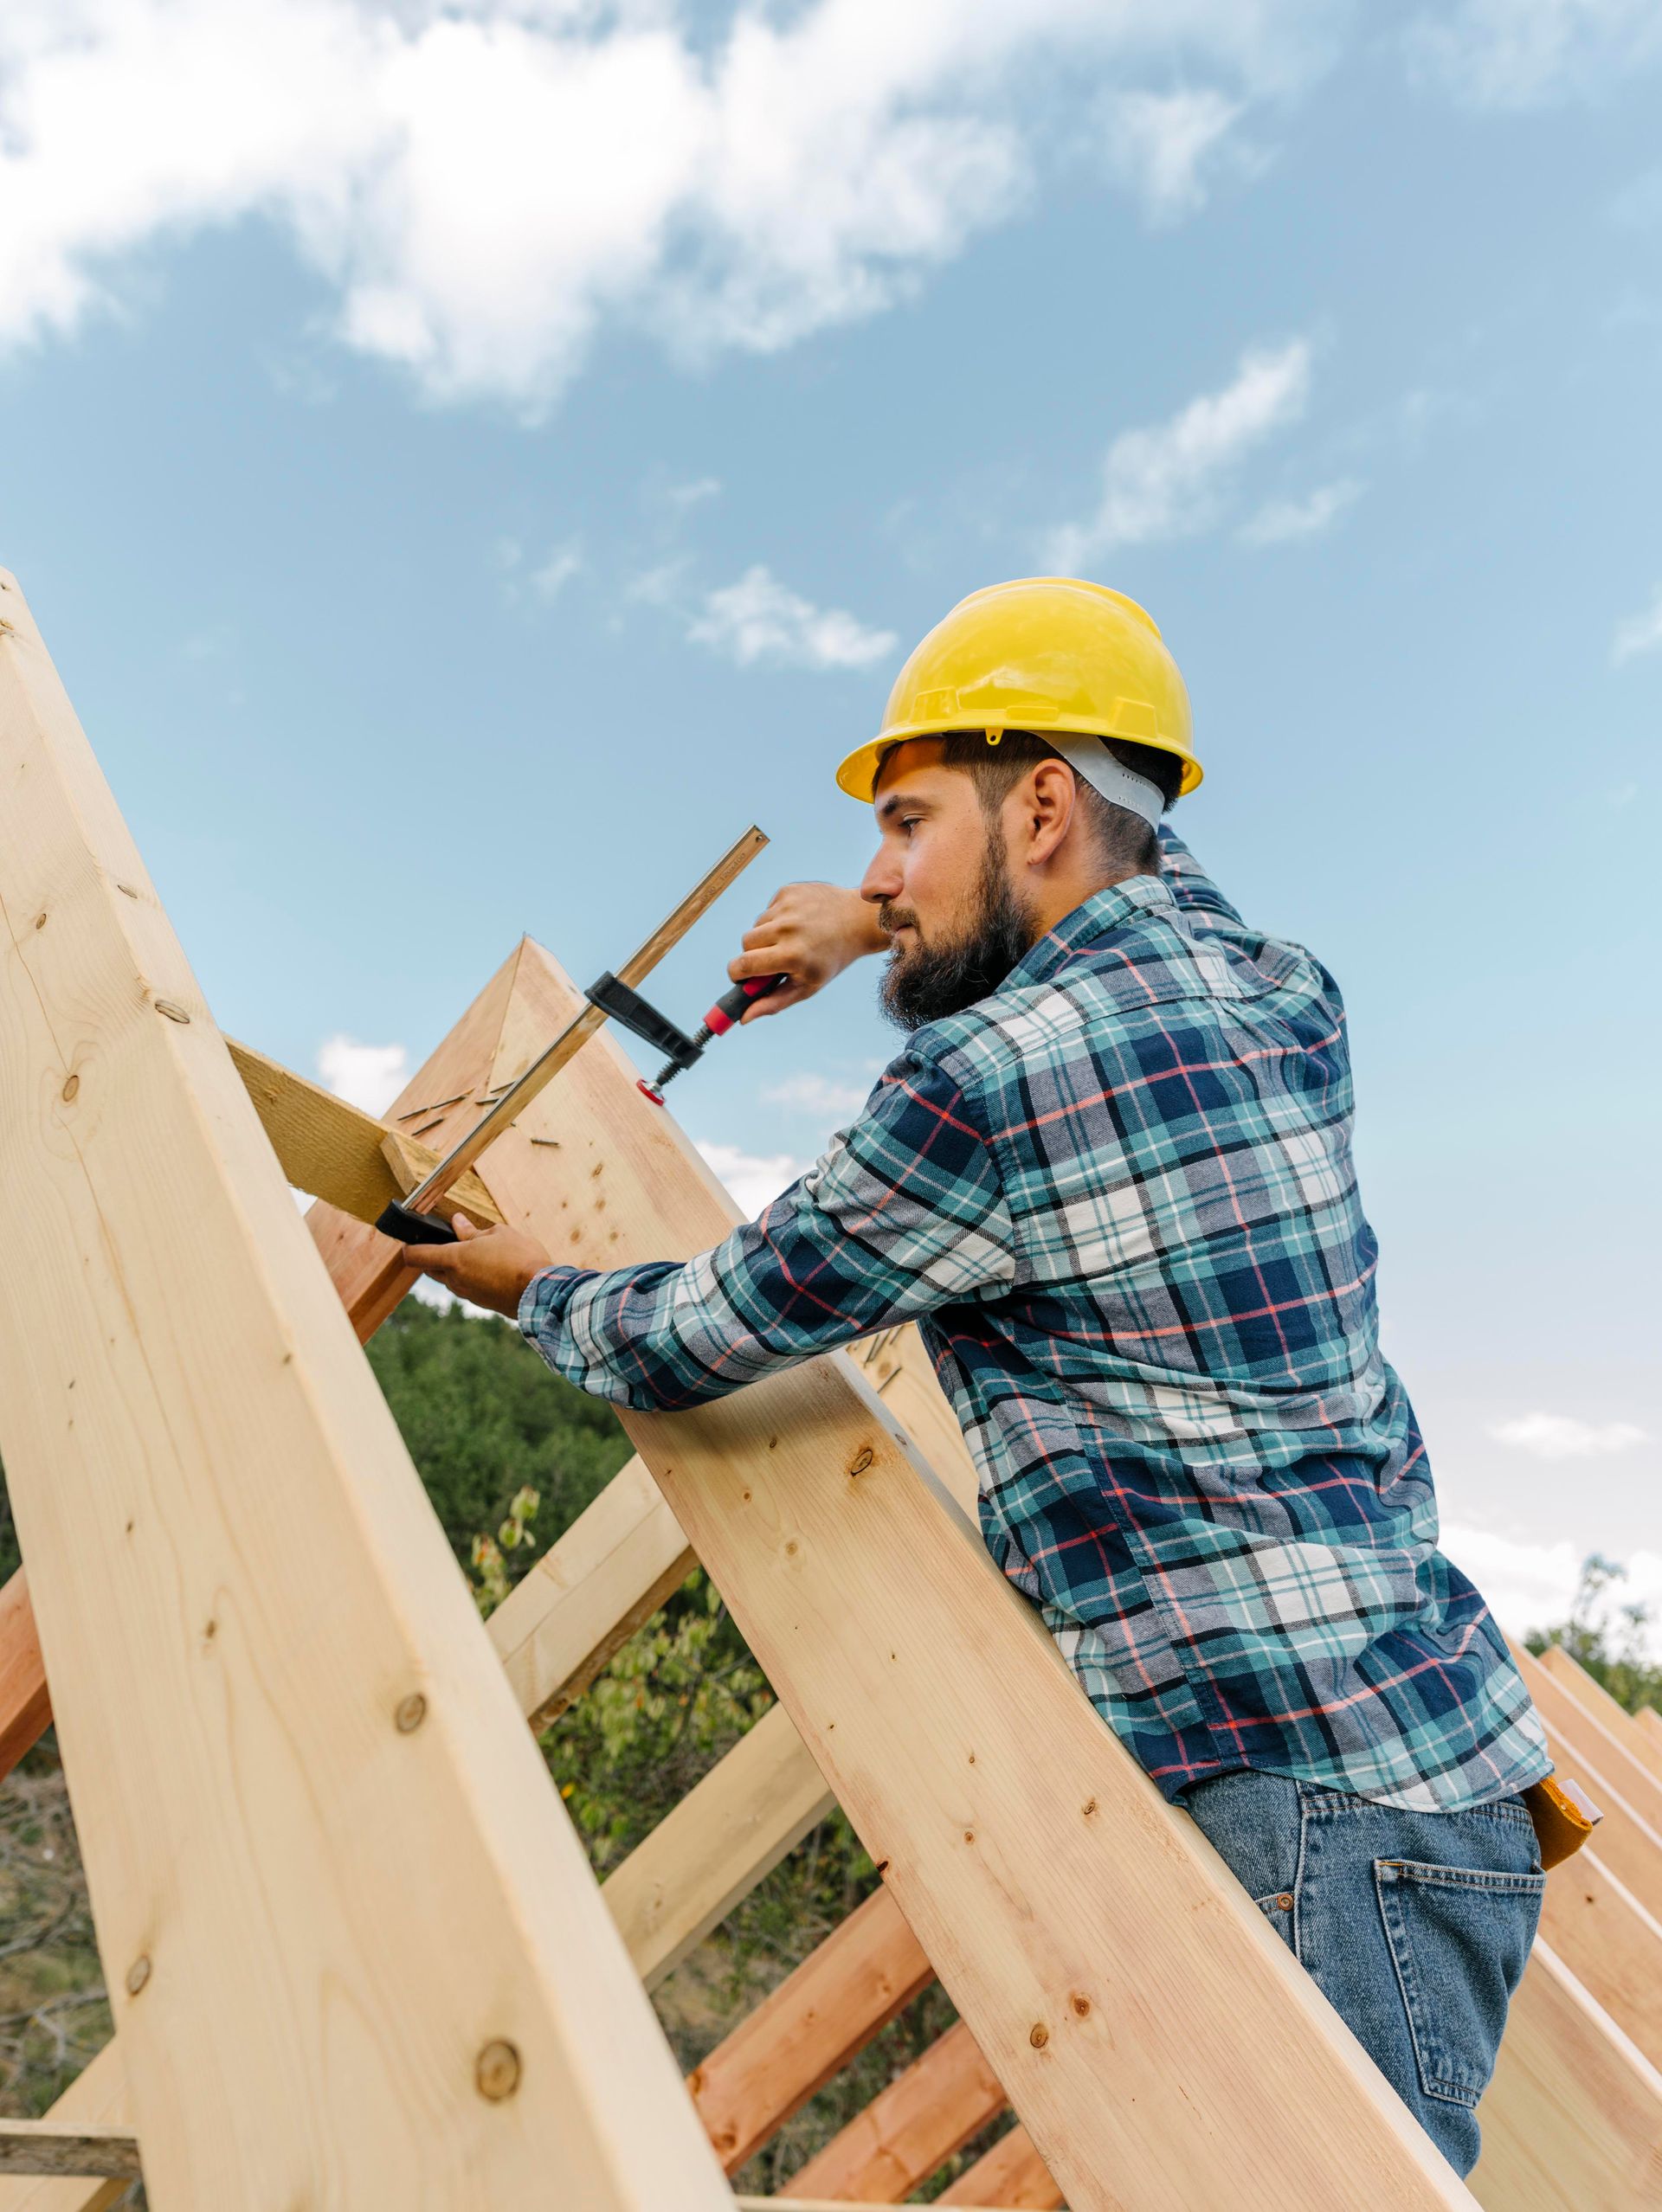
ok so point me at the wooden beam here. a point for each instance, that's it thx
(729, 1831)
(25, 1703)
(921, 1682)
(355, 1951)
(1610, 1943)
(335, 1151)
(615, 1566)
(910, 2128)
(1572, 2121)
(868, 1969)
(1011, 2173)
(1587, 1738)
(48, 2147)
(1627, 1727)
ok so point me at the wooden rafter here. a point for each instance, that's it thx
(909, 2129)
(808, 2028)
(1628, 1728)
(238, 1580)
(1011, 2173)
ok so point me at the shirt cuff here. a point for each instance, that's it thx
(544, 1301)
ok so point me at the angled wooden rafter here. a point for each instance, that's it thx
(220, 1515)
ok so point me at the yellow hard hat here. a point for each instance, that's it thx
(1042, 654)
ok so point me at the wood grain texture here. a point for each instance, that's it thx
(1610, 1943)
(323, 1925)
(1627, 1728)
(910, 2128)
(808, 2028)
(1011, 2173)
(922, 1685)
(333, 1150)
(1572, 2121)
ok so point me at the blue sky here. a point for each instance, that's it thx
(469, 462)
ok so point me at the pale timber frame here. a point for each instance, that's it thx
(792, 1567)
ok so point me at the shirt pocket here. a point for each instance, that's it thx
(1460, 1938)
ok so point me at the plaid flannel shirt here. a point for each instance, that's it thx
(1117, 1196)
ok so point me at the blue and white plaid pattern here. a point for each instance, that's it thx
(1117, 1195)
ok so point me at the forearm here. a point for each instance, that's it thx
(903, 1214)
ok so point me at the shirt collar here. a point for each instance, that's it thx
(1092, 919)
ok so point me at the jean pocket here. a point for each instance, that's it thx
(1459, 1936)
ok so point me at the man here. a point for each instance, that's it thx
(1110, 1177)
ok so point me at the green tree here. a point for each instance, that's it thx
(1608, 1638)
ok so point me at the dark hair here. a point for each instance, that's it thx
(1125, 843)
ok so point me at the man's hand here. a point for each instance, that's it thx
(809, 932)
(488, 1267)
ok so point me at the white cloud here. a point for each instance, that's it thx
(1558, 1436)
(549, 581)
(1161, 144)
(760, 619)
(819, 1095)
(482, 184)
(369, 1076)
(1518, 54)
(753, 1179)
(1280, 521)
(1640, 633)
(1164, 481)
(1532, 1585)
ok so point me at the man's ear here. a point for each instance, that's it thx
(1050, 795)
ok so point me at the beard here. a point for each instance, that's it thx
(933, 980)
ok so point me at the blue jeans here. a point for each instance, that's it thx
(1414, 1926)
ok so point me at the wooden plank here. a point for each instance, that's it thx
(1589, 1739)
(1600, 1707)
(922, 1683)
(51, 2148)
(910, 2128)
(1649, 1721)
(1610, 1943)
(1011, 2173)
(355, 1950)
(1572, 2121)
(729, 1831)
(854, 1984)
(25, 1703)
(335, 1151)
(614, 1567)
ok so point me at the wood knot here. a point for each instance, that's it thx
(72, 1084)
(138, 1975)
(1088, 1807)
(497, 2073)
(1038, 2035)
(1081, 2003)
(166, 1006)
(411, 1714)
(861, 1461)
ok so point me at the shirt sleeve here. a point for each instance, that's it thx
(903, 1214)
(1190, 885)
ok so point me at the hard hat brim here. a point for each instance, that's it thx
(857, 773)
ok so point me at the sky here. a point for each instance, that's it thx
(469, 462)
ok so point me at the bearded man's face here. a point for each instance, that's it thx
(941, 882)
